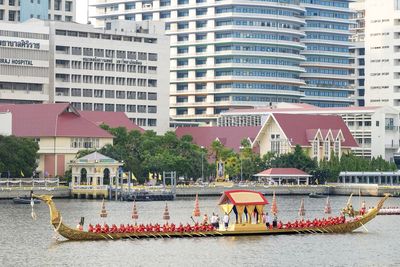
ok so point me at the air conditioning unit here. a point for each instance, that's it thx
(147, 5)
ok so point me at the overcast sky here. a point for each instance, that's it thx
(81, 11)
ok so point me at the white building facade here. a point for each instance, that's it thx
(22, 10)
(24, 62)
(376, 129)
(382, 52)
(125, 69)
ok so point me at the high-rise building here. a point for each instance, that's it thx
(358, 51)
(382, 53)
(327, 77)
(22, 10)
(224, 53)
(124, 68)
(234, 53)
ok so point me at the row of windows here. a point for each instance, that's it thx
(326, 83)
(255, 98)
(256, 35)
(105, 36)
(108, 53)
(88, 65)
(328, 59)
(329, 14)
(258, 23)
(257, 48)
(256, 86)
(258, 73)
(99, 93)
(256, 10)
(326, 93)
(256, 60)
(85, 142)
(327, 36)
(75, 78)
(115, 108)
(342, 4)
(328, 71)
(330, 48)
(326, 25)
(24, 35)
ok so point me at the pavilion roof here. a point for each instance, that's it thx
(243, 197)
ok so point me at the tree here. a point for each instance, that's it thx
(18, 155)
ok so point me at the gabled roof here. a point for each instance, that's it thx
(230, 137)
(96, 157)
(295, 127)
(48, 120)
(243, 197)
(282, 172)
(112, 119)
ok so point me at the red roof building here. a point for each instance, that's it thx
(318, 135)
(61, 131)
(230, 137)
(279, 176)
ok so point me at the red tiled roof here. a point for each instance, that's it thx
(295, 127)
(112, 119)
(230, 137)
(45, 120)
(281, 172)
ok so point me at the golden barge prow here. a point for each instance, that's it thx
(240, 201)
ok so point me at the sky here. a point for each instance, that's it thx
(81, 11)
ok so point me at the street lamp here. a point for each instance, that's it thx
(202, 163)
(241, 167)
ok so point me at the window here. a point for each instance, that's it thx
(141, 95)
(68, 6)
(152, 109)
(141, 109)
(152, 96)
(315, 148)
(110, 94)
(109, 107)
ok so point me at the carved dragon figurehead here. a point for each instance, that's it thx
(46, 198)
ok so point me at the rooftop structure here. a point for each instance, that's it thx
(279, 176)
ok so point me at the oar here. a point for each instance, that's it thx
(364, 227)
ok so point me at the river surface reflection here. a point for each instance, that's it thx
(30, 243)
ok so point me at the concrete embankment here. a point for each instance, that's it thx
(57, 192)
(181, 192)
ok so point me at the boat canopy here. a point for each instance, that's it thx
(243, 201)
(242, 197)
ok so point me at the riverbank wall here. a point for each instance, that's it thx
(191, 191)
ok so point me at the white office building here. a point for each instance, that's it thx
(23, 10)
(124, 68)
(376, 129)
(382, 52)
(24, 62)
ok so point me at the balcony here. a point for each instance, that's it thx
(391, 128)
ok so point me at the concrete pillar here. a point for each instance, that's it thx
(379, 179)
(391, 180)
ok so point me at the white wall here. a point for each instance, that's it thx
(6, 123)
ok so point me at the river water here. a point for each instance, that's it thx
(25, 242)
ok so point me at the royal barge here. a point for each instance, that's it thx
(244, 203)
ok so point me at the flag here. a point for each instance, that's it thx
(134, 177)
(22, 174)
